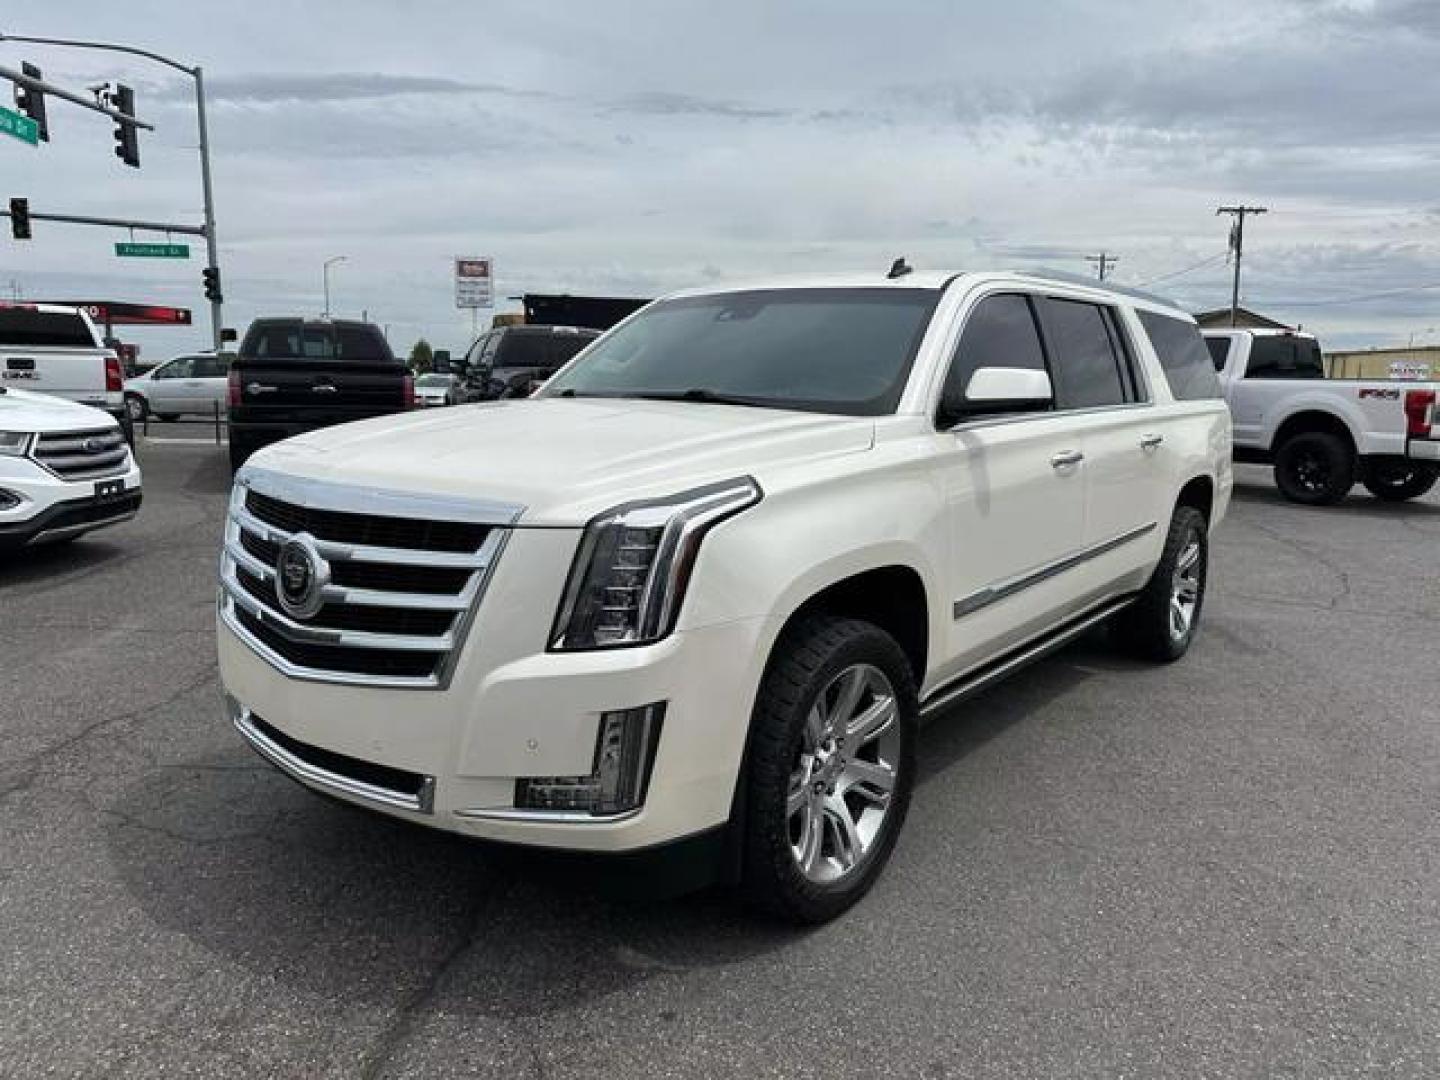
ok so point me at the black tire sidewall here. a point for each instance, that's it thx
(806, 659)
(1339, 460)
(1143, 628)
(142, 406)
(1421, 478)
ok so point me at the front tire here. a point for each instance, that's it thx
(1399, 480)
(830, 769)
(136, 407)
(1315, 469)
(1163, 620)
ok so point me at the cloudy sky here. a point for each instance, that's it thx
(634, 147)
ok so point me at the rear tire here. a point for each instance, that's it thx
(136, 407)
(830, 768)
(1163, 620)
(1315, 469)
(1398, 480)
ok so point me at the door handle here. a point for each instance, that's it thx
(1150, 442)
(1066, 458)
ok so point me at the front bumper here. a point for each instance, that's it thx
(51, 508)
(450, 758)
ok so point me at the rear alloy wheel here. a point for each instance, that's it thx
(1396, 480)
(830, 768)
(1315, 469)
(1162, 621)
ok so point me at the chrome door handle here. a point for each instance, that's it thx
(1150, 442)
(1067, 457)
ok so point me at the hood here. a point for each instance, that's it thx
(25, 410)
(565, 460)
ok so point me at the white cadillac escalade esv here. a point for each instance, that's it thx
(696, 594)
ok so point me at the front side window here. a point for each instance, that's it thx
(1187, 364)
(1283, 356)
(840, 350)
(523, 350)
(1086, 369)
(1000, 332)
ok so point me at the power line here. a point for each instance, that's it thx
(1237, 245)
(1355, 299)
(1177, 273)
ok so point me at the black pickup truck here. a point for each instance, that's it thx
(296, 375)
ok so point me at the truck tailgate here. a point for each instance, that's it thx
(317, 392)
(72, 373)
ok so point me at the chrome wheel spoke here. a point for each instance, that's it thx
(812, 837)
(849, 847)
(873, 780)
(847, 699)
(873, 722)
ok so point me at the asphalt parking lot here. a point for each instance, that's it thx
(1224, 868)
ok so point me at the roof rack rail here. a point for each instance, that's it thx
(1079, 279)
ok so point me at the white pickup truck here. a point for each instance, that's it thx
(1322, 435)
(695, 594)
(54, 349)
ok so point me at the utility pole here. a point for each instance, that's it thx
(196, 73)
(1103, 262)
(1237, 246)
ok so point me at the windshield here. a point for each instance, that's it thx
(433, 380)
(843, 351)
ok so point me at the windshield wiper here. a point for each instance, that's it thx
(708, 397)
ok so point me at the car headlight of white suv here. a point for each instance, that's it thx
(634, 563)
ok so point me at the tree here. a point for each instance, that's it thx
(422, 357)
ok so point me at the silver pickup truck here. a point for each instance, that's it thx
(1322, 435)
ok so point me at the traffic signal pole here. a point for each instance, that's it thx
(212, 249)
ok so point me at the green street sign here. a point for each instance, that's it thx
(154, 251)
(20, 127)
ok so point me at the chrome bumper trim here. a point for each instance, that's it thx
(324, 779)
(543, 817)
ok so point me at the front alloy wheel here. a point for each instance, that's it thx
(829, 767)
(844, 774)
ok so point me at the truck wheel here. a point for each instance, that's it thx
(830, 769)
(1398, 480)
(1161, 623)
(1316, 469)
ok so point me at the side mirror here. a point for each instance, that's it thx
(999, 390)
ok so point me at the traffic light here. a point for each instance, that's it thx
(20, 219)
(31, 102)
(211, 277)
(127, 147)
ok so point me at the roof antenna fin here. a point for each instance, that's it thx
(899, 268)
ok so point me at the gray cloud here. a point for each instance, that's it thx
(670, 103)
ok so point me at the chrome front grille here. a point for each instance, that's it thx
(393, 592)
(82, 455)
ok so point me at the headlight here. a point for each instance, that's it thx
(14, 443)
(634, 563)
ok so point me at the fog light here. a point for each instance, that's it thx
(624, 754)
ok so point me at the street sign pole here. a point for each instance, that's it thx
(212, 249)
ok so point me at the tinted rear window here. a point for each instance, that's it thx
(298, 341)
(22, 326)
(523, 351)
(1188, 367)
(1280, 356)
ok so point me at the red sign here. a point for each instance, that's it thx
(117, 313)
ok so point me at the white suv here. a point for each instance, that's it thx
(695, 595)
(65, 470)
